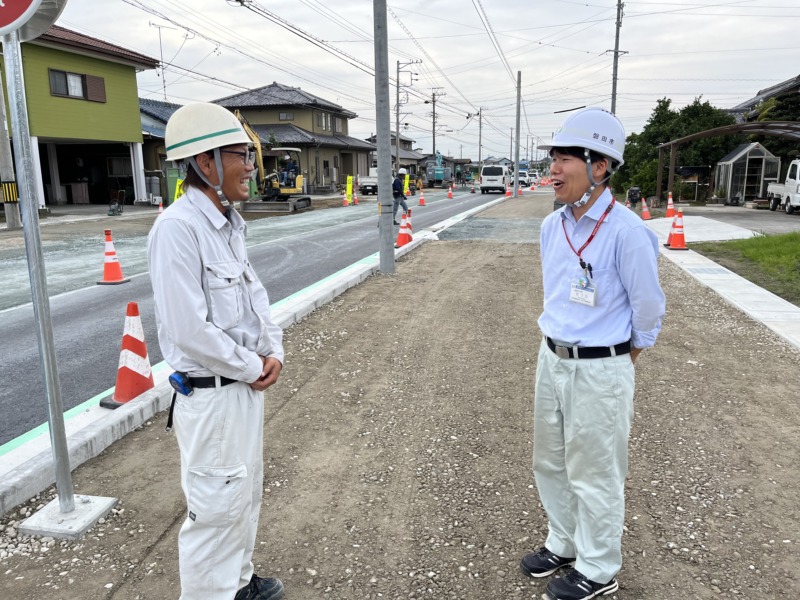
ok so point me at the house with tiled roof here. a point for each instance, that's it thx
(409, 158)
(745, 111)
(282, 115)
(84, 119)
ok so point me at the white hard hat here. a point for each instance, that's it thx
(287, 157)
(200, 127)
(401, 172)
(594, 129)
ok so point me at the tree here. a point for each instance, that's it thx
(783, 107)
(664, 125)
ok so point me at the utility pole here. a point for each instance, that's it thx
(620, 5)
(432, 101)
(397, 113)
(382, 120)
(516, 155)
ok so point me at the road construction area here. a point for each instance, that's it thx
(398, 446)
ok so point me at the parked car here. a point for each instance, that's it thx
(523, 178)
(494, 178)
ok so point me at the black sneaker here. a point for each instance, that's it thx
(396, 223)
(261, 588)
(576, 586)
(543, 563)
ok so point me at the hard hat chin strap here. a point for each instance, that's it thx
(609, 172)
(217, 188)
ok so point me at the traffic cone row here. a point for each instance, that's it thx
(670, 207)
(676, 239)
(404, 236)
(134, 375)
(645, 211)
(112, 270)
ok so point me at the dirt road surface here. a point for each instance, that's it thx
(398, 452)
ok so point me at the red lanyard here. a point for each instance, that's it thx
(591, 237)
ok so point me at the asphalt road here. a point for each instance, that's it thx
(290, 253)
(761, 220)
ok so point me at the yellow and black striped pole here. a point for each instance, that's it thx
(10, 193)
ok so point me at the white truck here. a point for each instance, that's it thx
(786, 194)
(368, 184)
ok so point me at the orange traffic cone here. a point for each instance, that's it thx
(670, 206)
(160, 207)
(627, 203)
(408, 222)
(533, 187)
(450, 192)
(134, 376)
(508, 191)
(404, 236)
(355, 197)
(408, 193)
(519, 191)
(671, 231)
(421, 198)
(472, 189)
(645, 211)
(677, 240)
(345, 202)
(112, 270)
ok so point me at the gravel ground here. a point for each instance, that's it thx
(398, 451)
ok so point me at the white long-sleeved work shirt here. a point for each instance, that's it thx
(212, 312)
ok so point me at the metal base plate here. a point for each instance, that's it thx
(51, 522)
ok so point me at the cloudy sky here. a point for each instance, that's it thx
(469, 53)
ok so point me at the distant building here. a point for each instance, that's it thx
(745, 111)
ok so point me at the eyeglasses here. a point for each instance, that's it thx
(247, 157)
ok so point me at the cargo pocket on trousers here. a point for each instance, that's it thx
(216, 494)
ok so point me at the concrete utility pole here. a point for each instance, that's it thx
(616, 58)
(516, 154)
(11, 206)
(432, 101)
(397, 114)
(382, 115)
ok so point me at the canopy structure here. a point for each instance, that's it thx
(781, 129)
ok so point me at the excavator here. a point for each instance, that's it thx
(276, 191)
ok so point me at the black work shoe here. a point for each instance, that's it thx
(266, 588)
(576, 586)
(396, 223)
(543, 563)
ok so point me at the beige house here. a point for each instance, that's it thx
(288, 116)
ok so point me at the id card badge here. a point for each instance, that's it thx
(583, 292)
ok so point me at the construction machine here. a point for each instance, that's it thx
(279, 184)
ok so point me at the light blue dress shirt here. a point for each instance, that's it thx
(629, 303)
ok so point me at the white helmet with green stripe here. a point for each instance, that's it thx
(201, 127)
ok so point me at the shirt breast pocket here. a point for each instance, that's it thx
(225, 293)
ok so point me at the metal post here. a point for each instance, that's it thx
(397, 124)
(433, 101)
(7, 166)
(516, 149)
(382, 116)
(28, 187)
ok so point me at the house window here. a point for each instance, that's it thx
(286, 116)
(336, 162)
(338, 125)
(119, 167)
(324, 121)
(75, 85)
(326, 171)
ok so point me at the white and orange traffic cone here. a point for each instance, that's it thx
(345, 202)
(677, 239)
(160, 207)
(627, 203)
(670, 206)
(404, 236)
(508, 191)
(408, 222)
(134, 375)
(112, 270)
(645, 211)
(421, 198)
(671, 231)
(450, 192)
(355, 197)
(472, 189)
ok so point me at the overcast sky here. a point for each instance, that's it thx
(470, 53)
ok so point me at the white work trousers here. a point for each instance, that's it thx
(221, 440)
(582, 418)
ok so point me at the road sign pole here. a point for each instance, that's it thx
(28, 188)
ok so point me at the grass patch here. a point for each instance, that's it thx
(771, 262)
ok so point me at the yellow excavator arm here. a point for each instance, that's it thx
(262, 176)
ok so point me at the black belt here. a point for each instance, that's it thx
(210, 382)
(588, 351)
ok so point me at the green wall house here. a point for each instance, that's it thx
(84, 119)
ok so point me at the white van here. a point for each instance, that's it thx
(494, 177)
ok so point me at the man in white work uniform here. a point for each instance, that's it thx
(215, 330)
(603, 305)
